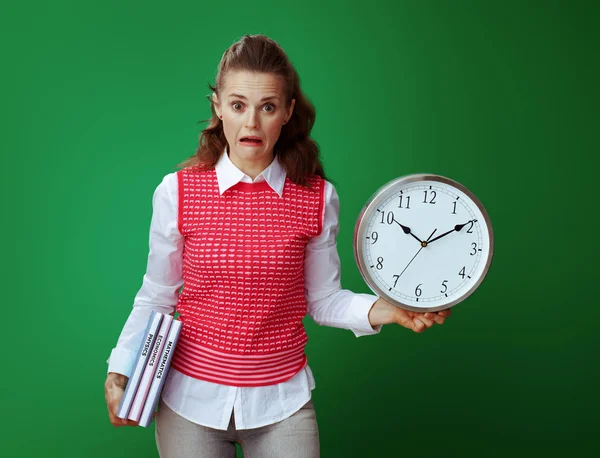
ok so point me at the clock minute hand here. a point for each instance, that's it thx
(407, 230)
(457, 228)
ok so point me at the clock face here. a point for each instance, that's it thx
(423, 242)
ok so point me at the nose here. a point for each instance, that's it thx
(252, 119)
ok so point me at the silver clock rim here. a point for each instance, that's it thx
(380, 195)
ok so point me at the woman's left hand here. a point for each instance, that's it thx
(382, 312)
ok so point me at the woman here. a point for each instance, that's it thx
(249, 225)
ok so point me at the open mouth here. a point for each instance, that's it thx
(251, 141)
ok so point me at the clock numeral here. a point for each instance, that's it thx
(374, 237)
(445, 287)
(432, 201)
(407, 202)
(469, 231)
(396, 281)
(389, 218)
(462, 272)
(418, 291)
(379, 263)
(454, 211)
(474, 245)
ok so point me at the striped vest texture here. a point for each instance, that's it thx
(243, 269)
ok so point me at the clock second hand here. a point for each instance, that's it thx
(431, 235)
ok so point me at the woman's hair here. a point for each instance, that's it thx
(297, 152)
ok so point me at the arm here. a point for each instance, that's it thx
(329, 304)
(163, 278)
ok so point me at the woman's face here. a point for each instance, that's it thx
(252, 105)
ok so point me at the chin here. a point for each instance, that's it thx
(249, 154)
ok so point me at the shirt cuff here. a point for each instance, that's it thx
(358, 315)
(121, 361)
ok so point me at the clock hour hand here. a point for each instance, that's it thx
(457, 228)
(407, 230)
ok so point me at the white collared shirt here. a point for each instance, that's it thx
(211, 404)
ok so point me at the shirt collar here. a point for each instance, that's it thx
(229, 175)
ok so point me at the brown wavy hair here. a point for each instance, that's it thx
(297, 152)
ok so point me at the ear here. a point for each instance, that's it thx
(290, 110)
(215, 100)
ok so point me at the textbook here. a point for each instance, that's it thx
(160, 375)
(146, 345)
(150, 369)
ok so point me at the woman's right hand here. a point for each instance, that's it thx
(114, 388)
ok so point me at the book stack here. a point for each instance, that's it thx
(150, 370)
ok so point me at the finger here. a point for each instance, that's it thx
(445, 313)
(124, 422)
(402, 318)
(113, 406)
(426, 321)
(118, 421)
(435, 317)
(418, 325)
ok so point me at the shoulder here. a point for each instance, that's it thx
(329, 187)
(330, 202)
(168, 183)
(314, 183)
(167, 190)
(321, 186)
(329, 191)
(330, 196)
(194, 173)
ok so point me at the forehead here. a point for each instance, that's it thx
(253, 84)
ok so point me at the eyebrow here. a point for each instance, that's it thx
(262, 100)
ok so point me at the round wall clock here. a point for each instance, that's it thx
(423, 242)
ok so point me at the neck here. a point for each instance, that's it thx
(251, 168)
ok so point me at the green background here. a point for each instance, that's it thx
(100, 100)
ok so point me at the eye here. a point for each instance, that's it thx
(235, 104)
(272, 107)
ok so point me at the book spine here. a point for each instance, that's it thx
(161, 375)
(149, 371)
(146, 345)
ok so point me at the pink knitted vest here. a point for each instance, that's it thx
(243, 268)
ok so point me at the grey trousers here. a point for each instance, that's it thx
(295, 437)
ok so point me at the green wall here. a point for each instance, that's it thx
(101, 99)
